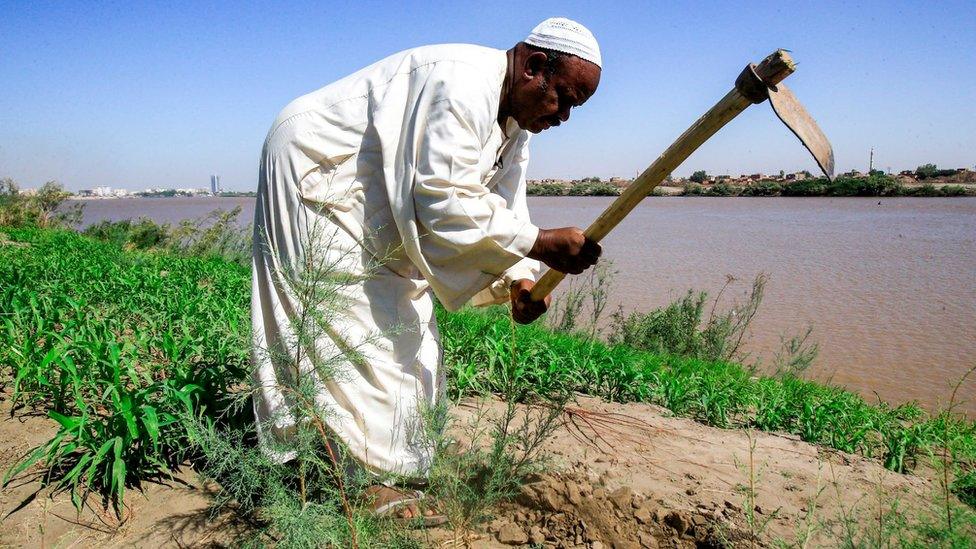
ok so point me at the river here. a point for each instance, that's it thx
(888, 285)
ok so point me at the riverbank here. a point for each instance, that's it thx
(172, 331)
(645, 479)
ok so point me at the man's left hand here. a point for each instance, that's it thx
(524, 309)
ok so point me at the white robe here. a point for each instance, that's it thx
(403, 162)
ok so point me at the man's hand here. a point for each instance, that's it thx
(566, 250)
(524, 310)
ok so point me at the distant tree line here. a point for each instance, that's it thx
(928, 171)
(877, 184)
(588, 186)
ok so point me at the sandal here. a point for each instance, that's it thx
(405, 499)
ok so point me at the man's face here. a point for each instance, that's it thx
(542, 101)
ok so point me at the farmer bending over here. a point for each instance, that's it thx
(416, 164)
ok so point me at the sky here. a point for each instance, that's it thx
(144, 94)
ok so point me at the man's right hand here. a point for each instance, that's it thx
(566, 250)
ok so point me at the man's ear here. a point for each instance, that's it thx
(535, 64)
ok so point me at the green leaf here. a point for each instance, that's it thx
(34, 456)
(129, 416)
(67, 423)
(151, 422)
(49, 358)
(117, 485)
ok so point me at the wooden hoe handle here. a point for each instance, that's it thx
(750, 88)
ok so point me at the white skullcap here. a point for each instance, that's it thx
(568, 36)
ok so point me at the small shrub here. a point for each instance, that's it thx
(143, 234)
(762, 188)
(41, 209)
(545, 189)
(722, 189)
(805, 187)
(927, 189)
(682, 329)
(954, 190)
(926, 171)
(875, 185)
(216, 234)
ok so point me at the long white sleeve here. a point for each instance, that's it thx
(466, 231)
(511, 185)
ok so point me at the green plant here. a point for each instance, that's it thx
(681, 328)
(805, 187)
(722, 189)
(545, 189)
(874, 185)
(175, 332)
(115, 346)
(762, 188)
(216, 234)
(43, 208)
(954, 190)
(587, 295)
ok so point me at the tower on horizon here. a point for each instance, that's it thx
(215, 184)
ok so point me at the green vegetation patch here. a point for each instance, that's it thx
(118, 345)
(718, 393)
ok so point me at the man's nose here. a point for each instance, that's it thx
(564, 114)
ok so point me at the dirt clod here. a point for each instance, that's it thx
(678, 521)
(621, 497)
(510, 534)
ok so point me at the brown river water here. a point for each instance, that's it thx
(889, 288)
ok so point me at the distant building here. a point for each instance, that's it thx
(215, 184)
(102, 191)
(190, 192)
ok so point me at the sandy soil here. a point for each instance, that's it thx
(622, 476)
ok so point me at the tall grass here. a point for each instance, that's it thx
(217, 234)
(682, 328)
(40, 209)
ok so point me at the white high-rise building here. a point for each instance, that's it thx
(215, 184)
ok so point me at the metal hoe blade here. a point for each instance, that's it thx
(798, 120)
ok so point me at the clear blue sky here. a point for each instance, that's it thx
(131, 94)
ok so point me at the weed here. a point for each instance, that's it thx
(681, 329)
(216, 234)
(43, 208)
(584, 296)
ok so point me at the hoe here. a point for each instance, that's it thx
(755, 84)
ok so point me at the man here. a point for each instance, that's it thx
(408, 178)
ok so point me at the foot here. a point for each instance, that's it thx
(401, 504)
